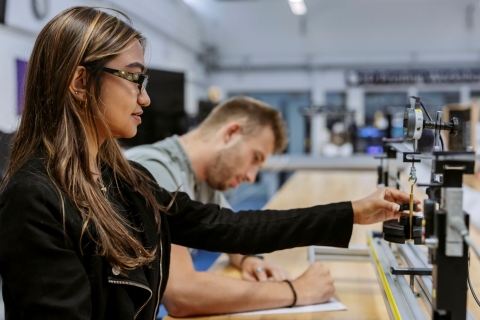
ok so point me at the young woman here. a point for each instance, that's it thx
(84, 234)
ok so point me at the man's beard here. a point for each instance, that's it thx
(222, 169)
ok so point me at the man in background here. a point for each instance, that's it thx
(227, 149)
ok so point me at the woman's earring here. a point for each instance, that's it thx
(76, 92)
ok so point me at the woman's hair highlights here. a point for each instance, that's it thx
(58, 126)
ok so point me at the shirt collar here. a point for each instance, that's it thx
(184, 158)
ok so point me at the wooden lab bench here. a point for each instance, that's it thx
(356, 283)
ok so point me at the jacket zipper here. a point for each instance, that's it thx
(129, 283)
(160, 281)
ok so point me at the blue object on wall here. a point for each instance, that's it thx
(21, 72)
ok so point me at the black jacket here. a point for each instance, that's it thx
(45, 276)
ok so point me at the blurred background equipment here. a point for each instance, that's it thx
(467, 116)
(3, 4)
(215, 96)
(341, 136)
(166, 114)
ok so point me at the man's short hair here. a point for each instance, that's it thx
(255, 114)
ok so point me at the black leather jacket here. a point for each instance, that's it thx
(45, 276)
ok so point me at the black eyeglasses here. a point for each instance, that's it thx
(139, 78)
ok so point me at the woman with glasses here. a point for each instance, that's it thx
(84, 233)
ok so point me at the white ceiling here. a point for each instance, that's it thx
(266, 31)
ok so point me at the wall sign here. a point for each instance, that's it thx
(413, 76)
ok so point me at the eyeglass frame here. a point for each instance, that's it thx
(138, 78)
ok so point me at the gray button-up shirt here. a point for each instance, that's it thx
(168, 162)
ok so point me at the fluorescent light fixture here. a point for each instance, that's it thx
(298, 7)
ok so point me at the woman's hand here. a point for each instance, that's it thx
(381, 205)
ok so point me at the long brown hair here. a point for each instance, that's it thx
(57, 125)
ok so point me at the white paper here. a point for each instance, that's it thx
(332, 305)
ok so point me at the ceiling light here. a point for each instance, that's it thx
(298, 7)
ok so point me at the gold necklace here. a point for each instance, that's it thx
(100, 182)
(102, 186)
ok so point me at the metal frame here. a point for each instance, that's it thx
(353, 253)
(400, 295)
(400, 300)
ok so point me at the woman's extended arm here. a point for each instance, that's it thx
(207, 226)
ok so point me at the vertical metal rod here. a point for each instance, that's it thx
(436, 139)
(413, 176)
(411, 213)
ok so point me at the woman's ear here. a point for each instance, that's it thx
(79, 83)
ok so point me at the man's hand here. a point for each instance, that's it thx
(381, 205)
(314, 286)
(256, 269)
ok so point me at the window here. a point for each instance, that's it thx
(381, 101)
(336, 100)
(435, 101)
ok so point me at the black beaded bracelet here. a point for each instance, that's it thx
(259, 256)
(294, 293)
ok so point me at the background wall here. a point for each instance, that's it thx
(175, 34)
